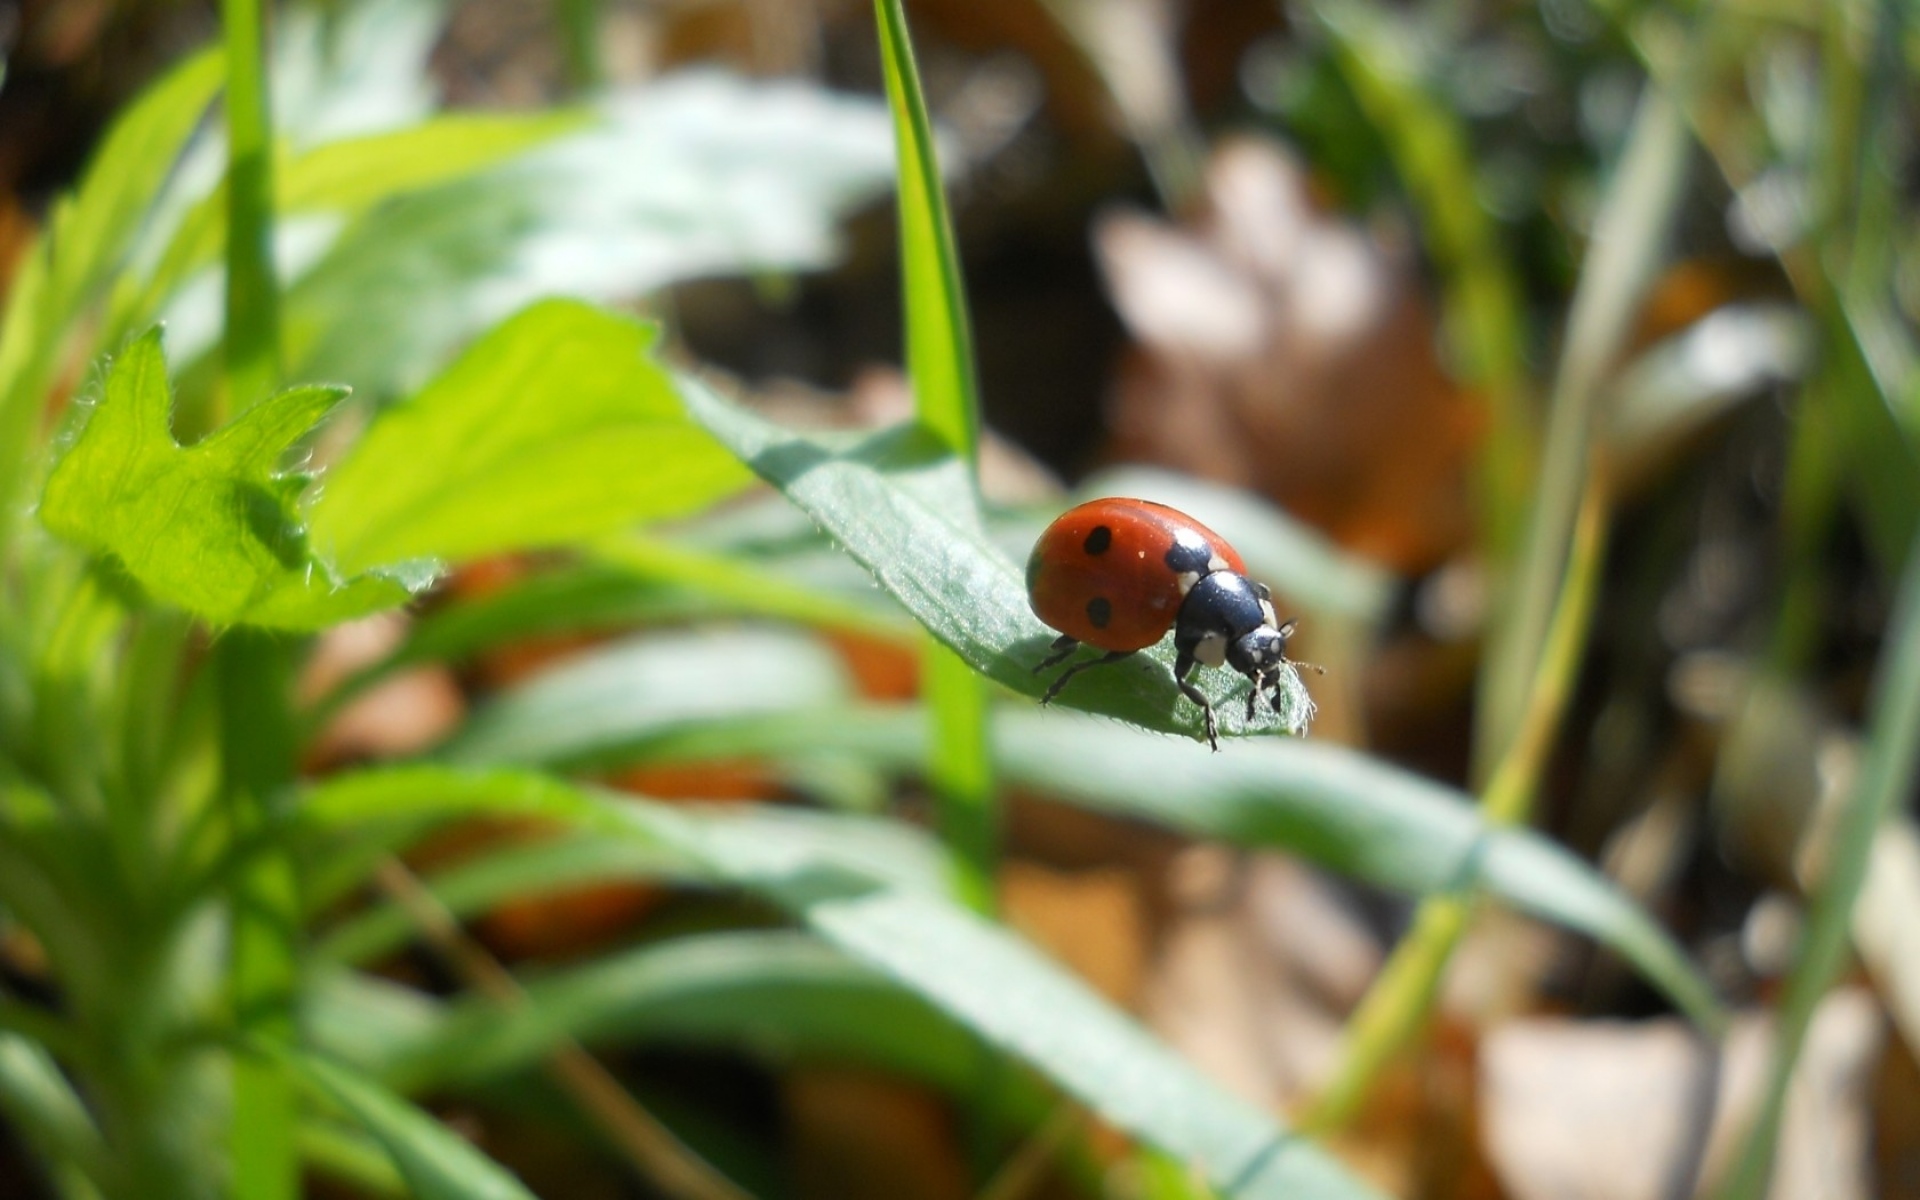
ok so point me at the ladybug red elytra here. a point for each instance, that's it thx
(1117, 574)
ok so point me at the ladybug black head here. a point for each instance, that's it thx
(1258, 651)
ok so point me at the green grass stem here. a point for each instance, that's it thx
(1886, 779)
(253, 293)
(941, 365)
(251, 670)
(1396, 1006)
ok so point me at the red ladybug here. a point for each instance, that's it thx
(1117, 574)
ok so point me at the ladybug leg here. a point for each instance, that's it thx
(1053, 689)
(1062, 646)
(1183, 666)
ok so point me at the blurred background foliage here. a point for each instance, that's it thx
(479, 785)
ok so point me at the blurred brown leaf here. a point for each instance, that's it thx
(1608, 1110)
(1292, 353)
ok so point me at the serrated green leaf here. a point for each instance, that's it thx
(842, 877)
(437, 1164)
(895, 500)
(212, 528)
(87, 235)
(555, 427)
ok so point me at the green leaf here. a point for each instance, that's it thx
(697, 175)
(128, 171)
(212, 528)
(349, 176)
(779, 995)
(1341, 809)
(87, 236)
(437, 1164)
(512, 872)
(555, 427)
(892, 498)
(652, 682)
(843, 878)
(939, 338)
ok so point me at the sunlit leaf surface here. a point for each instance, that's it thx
(212, 528)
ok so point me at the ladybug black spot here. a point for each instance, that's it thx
(1099, 611)
(1189, 554)
(1098, 541)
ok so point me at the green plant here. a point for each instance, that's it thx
(214, 1023)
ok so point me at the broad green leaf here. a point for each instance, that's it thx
(212, 528)
(1343, 810)
(696, 175)
(895, 499)
(850, 890)
(636, 582)
(437, 1163)
(348, 176)
(555, 427)
(352, 175)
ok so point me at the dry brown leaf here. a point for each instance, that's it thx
(1292, 353)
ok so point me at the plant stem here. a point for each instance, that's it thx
(941, 365)
(252, 675)
(252, 670)
(1399, 1000)
(253, 294)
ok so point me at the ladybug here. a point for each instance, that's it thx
(1117, 574)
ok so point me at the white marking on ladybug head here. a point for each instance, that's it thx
(1187, 579)
(1216, 563)
(1266, 611)
(1211, 649)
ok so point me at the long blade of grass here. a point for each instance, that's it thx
(1338, 808)
(1886, 780)
(940, 362)
(844, 886)
(435, 1162)
(1629, 239)
(1535, 651)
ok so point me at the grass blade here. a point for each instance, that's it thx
(1886, 780)
(842, 878)
(940, 362)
